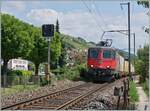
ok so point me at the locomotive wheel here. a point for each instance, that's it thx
(117, 76)
(111, 79)
(95, 81)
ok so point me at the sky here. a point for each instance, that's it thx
(83, 18)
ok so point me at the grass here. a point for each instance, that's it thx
(16, 89)
(133, 92)
(145, 87)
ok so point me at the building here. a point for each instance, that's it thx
(18, 64)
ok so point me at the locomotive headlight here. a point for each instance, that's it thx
(91, 65)
(108, 66)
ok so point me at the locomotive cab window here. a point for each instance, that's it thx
(93, 53)
(113, 54)
(109, 54)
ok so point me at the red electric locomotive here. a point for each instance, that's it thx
(102, 63)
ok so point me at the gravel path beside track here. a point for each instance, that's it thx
(143, 99)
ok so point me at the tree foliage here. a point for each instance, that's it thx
(142, 64)
(39, 52)
(63, 56)
(55, 50)
(145, 3)
(15, 39)
(57, 26)
(20, 39)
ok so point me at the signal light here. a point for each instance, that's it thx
(48, 30)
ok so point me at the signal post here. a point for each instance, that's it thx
(48, 32)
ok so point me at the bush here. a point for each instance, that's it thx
(74, 73)
(71, 73)
(133, 92)
(82, 69)
(58, 71)
(18, 76)
(19, 73)
(43, 81)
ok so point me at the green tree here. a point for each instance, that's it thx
(145, 3)
(55, 50)
(39, 52)
(140, 68)
(15, 39)
(57, 26)
(143, 53)
(62, 58)
(142, 64)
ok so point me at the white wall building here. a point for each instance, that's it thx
(18, 64)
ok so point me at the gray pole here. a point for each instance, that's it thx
(48, 53)
(129, 38)
(134, 47)
(48, 66)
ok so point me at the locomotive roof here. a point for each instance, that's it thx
(103, 47)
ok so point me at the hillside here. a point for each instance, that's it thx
(77, 43)
(125, 54)
(80, 43)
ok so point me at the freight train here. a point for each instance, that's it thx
(106, 64)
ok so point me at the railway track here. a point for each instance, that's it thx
(63, 99)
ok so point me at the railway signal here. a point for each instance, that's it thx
(48, 32)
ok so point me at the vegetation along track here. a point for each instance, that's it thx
(61, 99)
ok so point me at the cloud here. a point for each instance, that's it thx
(13, 5)
(74, 23)
(83, 24)
(43, 16)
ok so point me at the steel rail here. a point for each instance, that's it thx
(75, 100)
(41, 97)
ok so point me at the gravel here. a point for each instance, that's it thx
(102, 100)
(26, 95)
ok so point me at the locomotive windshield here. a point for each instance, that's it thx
(93, 53)
(107, 54)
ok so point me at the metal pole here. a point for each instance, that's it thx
(48, 60)
(48, 52)
(134, 47)
(129, 38)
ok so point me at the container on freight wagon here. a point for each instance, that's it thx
(126, 67)
(121, 61)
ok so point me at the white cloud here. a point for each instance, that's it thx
(42, 16)
(79, 23)
(13, 5)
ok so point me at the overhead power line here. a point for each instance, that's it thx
(124, 15)
(101, 17)
(90, 11)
